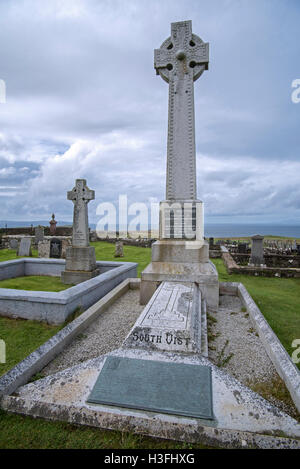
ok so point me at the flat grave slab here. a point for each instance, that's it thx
(171, 320)
(156, 386)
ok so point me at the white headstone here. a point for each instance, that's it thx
(80, 196)
(25, 247)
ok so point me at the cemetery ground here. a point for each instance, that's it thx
(277, 298)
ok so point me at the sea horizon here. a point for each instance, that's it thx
(215, 230)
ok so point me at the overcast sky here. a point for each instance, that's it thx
(83, 101)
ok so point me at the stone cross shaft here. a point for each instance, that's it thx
(180, 61)
(80, 196)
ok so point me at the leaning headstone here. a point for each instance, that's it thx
(211, 243)
(257, 251)
(80, 257)
(38, 234)
(25, 247)
(119, 252)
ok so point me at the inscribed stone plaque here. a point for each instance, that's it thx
(169, 388)
(171, 320)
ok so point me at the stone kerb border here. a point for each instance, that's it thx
(38, 359)
(55, 307)
(233, 268)
(286, 369)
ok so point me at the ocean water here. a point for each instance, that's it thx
(231, 230)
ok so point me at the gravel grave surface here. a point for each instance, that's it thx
(233, 343)
(244, 355)
(105, 334)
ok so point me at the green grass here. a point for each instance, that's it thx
(11, 254)
(35, 283)
(105, 252)
(17, 432)
(277, 298)
(22, 337)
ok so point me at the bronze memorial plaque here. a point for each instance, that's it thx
(170, 388)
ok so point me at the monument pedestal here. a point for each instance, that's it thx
(80, 265)
(181, 261)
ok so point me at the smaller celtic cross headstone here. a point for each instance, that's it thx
(80, 196)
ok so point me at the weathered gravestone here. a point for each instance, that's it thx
(38, 234)
(13, 244)
(25, 247)
(119, 252)
(181, 253)
(44, 248)
(257, 251)
(55, 248)
(242, 248)
(80, 258)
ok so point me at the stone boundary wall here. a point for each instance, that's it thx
(233, 268)
(29, 231)
(5, 240)
(271, 260)
(143, 243)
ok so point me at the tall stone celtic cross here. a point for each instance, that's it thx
(80, 196)
(180, 60)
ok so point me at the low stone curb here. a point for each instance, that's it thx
(194, 432)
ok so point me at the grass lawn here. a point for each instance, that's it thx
(278, 299)
(11, 254)
(35, 283)
(105, 252)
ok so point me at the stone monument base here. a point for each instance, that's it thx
(181, 261)
(73, 277)
(80, 265)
